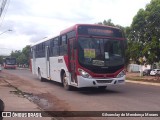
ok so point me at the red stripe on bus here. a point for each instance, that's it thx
(66, 61)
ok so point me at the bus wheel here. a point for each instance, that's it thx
(65, 82)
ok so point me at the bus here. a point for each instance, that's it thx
(84, 55)
(10, 63)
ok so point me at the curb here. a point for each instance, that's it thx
(144, 83)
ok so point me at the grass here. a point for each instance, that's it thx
(143, 79)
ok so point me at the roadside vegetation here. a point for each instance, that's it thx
(22, 57)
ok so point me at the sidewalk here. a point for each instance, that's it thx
(16, 102)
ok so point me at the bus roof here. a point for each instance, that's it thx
(76, 25)
(70, 29)
(43, 40)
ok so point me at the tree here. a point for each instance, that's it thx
(1, 59)
(22, 56)
(108, 22)
(145, 32)
(15, 53)
(22, 59)
(26, 53)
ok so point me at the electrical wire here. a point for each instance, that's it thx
(3, 6)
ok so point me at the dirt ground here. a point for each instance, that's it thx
(44, 100)
(45, 96)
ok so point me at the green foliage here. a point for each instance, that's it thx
(22, 56)
(144, 33)
(26, 53)
(108, 22)
(1, 59)
(16, 53)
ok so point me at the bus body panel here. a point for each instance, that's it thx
(40, 63)
(93, 82)
(10, 66)
(56, 68)
(56, 65)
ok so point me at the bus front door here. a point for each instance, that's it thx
(47, 62)
(72, 58)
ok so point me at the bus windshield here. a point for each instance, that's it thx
(100, 52)
(10, 61)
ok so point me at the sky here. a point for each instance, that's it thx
(33, 20)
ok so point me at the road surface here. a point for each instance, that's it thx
(128, 97)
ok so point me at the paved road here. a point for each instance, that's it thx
(130, 97)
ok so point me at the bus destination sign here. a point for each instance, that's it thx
(93, 31)
(99, 31)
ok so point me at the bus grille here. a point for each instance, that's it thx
(104, 81)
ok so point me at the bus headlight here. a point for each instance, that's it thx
(121, 74)
(84, 73)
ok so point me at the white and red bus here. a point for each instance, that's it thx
(83, 55)
(10, 63)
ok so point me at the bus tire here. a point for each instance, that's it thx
(65, 82)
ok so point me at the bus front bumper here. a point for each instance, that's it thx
(94, 82)
(10, 67)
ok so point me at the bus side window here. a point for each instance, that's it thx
(51, 47)
(63, 45)
(55, 48)
(63, 40)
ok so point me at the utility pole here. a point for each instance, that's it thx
(2, 6)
